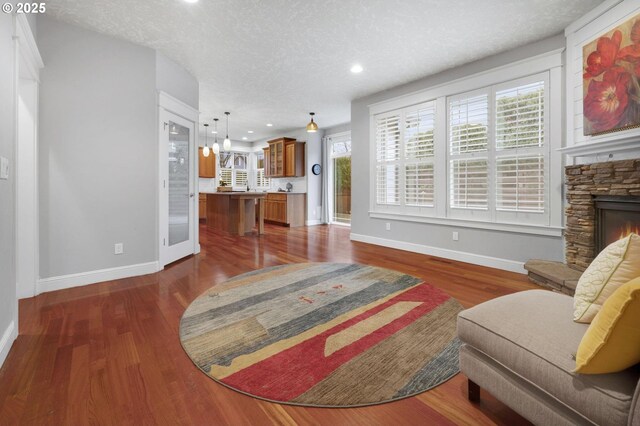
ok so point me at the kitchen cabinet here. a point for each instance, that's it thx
(202, 206)
(294, 159)
(284, 158)
(285, 208)
(206, 165)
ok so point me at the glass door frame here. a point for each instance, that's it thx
(171, 109)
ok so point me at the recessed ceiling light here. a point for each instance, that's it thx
(357, 69)
(250, 131)
(244, 138)
(269, 125)
(191, 1)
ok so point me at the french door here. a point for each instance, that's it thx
(177, 187)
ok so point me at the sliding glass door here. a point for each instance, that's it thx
(340, 146)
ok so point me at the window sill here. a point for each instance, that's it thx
(549, 231)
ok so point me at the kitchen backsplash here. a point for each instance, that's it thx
(299, 184)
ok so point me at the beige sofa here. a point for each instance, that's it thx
(520, 348)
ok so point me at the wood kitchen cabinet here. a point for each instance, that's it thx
(202, 206)
(285, 209)
(206, 165)
(294, 159)
(284, 158)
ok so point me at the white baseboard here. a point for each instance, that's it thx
(313, 222)
(7, 340)
(476, 259)
(84, 278)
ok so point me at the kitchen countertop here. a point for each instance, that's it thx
(253, 192)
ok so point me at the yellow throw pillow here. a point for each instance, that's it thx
(618, 263)
(612, 341)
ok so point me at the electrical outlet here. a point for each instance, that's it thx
(118, 248)
(388, 226)
(455, 236)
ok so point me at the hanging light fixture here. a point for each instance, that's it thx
(227, 142)
(312, 127)
(216, 146)
(205, 150)
(173, 130)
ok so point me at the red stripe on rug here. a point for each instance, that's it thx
(292, 372)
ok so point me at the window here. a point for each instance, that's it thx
(261, 180)
(499, 172)
(480, 155)
(405, 157)
(233, 168)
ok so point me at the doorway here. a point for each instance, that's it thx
(178, 232)
(340, 178)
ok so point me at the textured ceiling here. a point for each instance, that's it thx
(273, 61)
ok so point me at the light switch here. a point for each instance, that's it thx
(4, 168)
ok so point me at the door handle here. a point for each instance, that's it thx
(192, 195)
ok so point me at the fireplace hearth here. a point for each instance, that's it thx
(616, 217)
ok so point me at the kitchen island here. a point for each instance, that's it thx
(235, 212)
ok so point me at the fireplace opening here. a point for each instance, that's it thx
(616, 217)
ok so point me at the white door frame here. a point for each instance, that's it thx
(169, 104)
(26, 93)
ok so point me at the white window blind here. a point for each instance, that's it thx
(520, 116)
(469, 184)
(261, 180)
(387, 156)
(520, 184)
(468, 119)
(419, 153)
(225, 176)
(520, 142)
(241, 178)
(468, 149)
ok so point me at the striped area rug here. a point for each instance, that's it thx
(324, 334)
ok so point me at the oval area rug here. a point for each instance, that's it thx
(324, 334)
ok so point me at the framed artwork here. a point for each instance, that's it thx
(611, 70)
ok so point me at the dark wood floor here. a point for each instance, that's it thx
(109, 353)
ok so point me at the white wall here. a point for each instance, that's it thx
(498, 248)
(99, 149)
(8, 306)
(173, 79)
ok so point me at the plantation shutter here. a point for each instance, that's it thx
(468, 146)
(468, 118)
(520, 116)
(387, 156)
(469, 187)
(520, 139)
(419, 151)
(520, 184)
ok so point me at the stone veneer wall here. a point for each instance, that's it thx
(584, 182)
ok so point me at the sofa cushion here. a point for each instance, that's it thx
(618, 263)
(532, 334)
(612, 341)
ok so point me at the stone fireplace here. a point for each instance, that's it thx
(603, 205)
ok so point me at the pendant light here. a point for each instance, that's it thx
(205, 150)
(312, 127)
(173, 130)
(227, 142)
(216, 146)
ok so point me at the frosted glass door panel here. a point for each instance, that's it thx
(179, 197)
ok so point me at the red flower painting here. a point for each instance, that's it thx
(611, 72)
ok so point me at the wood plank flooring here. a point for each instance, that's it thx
(109, 353)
